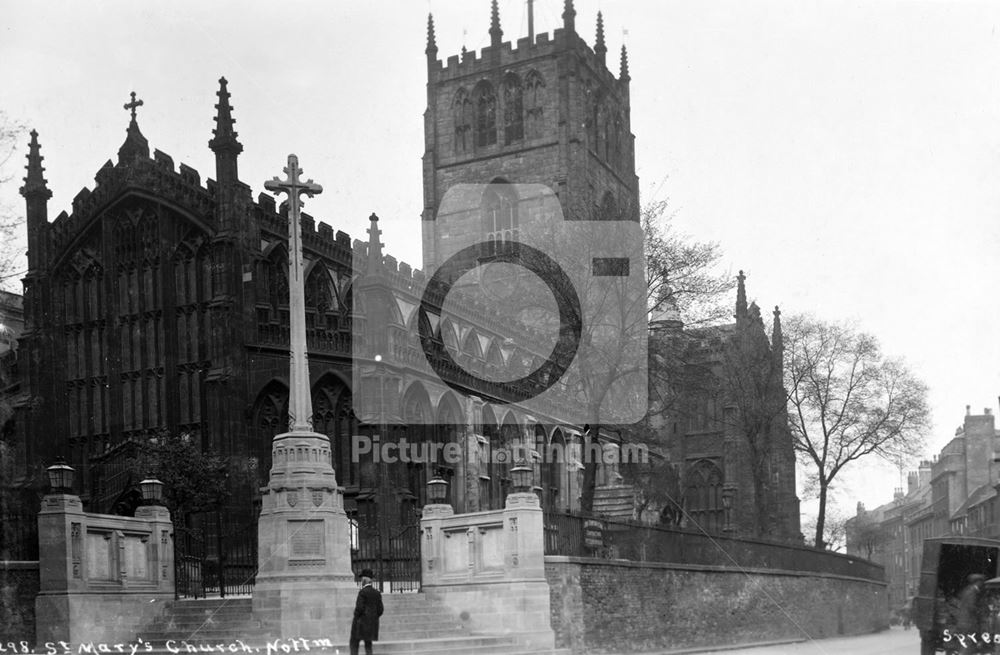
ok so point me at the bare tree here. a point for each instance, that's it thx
(866, 536)
(11, 245)
(836, 538)
(680, 272)
(848, 401)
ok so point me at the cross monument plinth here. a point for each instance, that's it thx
(305, 586)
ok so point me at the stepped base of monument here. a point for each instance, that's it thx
(413, 624)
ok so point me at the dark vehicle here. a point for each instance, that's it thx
(948, 563)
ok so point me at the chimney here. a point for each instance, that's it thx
(898, 494)
(912, 482)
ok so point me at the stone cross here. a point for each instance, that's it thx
(299, 391)
(133, 105)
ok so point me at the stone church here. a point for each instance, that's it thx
(158, 303)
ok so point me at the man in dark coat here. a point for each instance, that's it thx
(367, 611)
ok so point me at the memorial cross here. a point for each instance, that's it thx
(299, 391)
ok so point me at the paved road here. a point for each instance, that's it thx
(895, 641)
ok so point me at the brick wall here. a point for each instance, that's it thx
(18, 586)
(604, 605)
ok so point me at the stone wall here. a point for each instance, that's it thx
(622, 606)
(18, 586)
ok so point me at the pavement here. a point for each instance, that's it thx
(895, 641)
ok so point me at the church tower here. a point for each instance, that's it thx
(544, 111)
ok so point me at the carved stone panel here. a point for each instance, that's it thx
(456, 553)
(307, 539)
(99, 556)
(492, 548)
(136, 557)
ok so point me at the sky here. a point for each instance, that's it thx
(845, 155)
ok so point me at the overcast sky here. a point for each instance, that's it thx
(845, 155)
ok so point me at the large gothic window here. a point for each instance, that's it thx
(489, 484)
(534, 104)
(554, 473)
(272, 296)
(462, 111)
(447, 431)
(270, 417)
(513, 109)
(319, 298)
(332, 416)
(486, 114)
(703, 495)
(417, 414)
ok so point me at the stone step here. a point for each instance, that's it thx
(468, 644)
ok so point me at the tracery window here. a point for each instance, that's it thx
(534, 104)
(486, 114)
(513, 109)
(462, 111)
(703, 493)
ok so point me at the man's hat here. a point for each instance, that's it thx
(366, 573)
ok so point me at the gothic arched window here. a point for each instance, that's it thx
(513, 109)
(319, 297)
(703, 495)
(534, 104)
(486, 114)
(272, 291)
(499, 210)
(333, 417)
(462, 111)
(417, 414)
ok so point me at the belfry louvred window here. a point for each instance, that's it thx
(462, 111)
(534, 103)
(513, 108)
(486, 114)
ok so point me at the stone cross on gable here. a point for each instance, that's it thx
(133, 105)
(299, 392)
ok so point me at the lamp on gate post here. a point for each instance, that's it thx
(437, 489)
(437, 493)
(521, 495)
(60, 477)
(152, 491)
(522, 475)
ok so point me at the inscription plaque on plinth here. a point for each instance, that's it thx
(307, 539)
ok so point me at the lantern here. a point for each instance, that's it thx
(522, 475)
(152, 491)
(437, 490)
(60, 477)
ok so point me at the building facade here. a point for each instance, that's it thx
(955, 493)
(726, 423)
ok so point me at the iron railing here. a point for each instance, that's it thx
(19, 536)
(218, 561)
(578, 535)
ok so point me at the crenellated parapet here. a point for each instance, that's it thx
(156, 176)
(523, 53)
